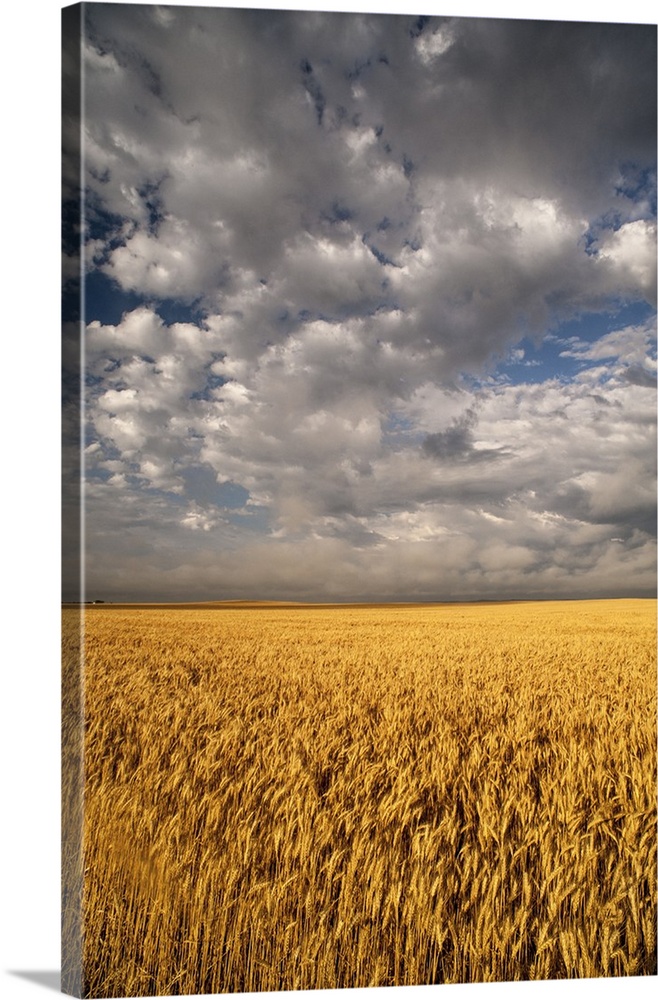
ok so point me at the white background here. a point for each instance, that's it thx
(29, 488)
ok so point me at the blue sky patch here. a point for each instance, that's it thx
(201, 485)
(105, 301)
(531, 361)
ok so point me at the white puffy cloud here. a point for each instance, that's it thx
(631, 252)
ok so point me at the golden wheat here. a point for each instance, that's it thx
(320, 797)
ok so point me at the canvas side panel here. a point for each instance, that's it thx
(72, 565)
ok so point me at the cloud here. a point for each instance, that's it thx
(222, 193)
(357, 218)
(457, 442)
(631, 250)
(546, 471)
(630, 353)
(638, 376)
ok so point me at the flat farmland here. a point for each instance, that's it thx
(295, 797)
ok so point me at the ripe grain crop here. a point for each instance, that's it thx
(294, 798)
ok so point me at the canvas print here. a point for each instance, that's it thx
(359, 381)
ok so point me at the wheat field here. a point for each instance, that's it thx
(302, 797)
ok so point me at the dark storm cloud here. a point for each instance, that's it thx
(639, 376)
(547, 98)
(622, 511)
(456, 444)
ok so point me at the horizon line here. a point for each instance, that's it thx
(266, 602)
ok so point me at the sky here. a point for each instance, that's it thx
(370, 306)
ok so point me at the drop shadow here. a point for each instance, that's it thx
(49, 979)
